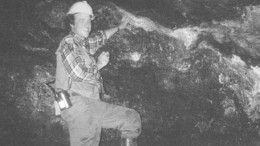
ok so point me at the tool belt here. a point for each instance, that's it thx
(62, 97)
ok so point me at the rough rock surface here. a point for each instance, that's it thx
(192, 84)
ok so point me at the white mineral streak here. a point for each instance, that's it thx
(248, 75)
(145, 23)
(187, 35)
(29, 47)
(254, 93)
(236, 60)
(184, 67)
(244, 81)
(255, 73)
(135, 56)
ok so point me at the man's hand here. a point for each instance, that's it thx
(103, 60)
(123, 25)
(125, 22)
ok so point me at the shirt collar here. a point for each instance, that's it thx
(78, 39)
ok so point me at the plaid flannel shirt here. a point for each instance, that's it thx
(73, 60)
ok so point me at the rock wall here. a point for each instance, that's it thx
(192, 85)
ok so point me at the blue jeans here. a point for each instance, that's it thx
(87, 116)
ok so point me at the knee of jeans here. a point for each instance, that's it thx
(134, 118)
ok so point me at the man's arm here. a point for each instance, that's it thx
(98, 39)
(75, 65)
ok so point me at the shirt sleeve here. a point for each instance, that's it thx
(97, 40)
(75, 66)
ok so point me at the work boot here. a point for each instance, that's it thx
(129, 142)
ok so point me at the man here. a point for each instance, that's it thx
(78, 73)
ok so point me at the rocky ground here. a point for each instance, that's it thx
(191, 69)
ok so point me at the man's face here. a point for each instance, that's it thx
(82, 24)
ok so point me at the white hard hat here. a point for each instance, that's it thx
(81, 7)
